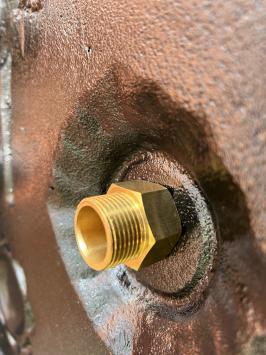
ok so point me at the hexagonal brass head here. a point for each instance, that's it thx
(136, 223)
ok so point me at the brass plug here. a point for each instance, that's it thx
(136, 223)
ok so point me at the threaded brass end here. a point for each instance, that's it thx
(111, 229)
(114, 229)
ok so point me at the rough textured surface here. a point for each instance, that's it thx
(95, 84)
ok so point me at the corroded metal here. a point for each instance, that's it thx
(16, 319)
(171, 92)
(5, 100)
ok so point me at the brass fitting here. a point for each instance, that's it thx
(136, 223)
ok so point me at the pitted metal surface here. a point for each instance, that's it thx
(175, 84)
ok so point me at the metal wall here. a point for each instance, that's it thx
(168, 91)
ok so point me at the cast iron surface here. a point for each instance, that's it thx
(151, 90)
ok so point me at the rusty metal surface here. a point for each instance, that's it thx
(154, 90)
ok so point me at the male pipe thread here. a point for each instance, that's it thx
(135, 223)
(111, 229)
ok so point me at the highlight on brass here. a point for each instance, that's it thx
(135, 223)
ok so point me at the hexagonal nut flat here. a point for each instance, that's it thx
(162, 217)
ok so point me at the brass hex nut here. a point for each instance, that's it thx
(163, 225)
